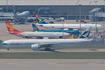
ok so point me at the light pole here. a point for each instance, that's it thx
(7, 5)
(62, 28)
(103, 24)
(96, 16)
(103, 19)
(80, 16)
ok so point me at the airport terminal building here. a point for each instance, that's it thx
(69, 9)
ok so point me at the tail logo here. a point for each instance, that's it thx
(11, 27)
(40, 20)
(34, 28)
(86, 34)
(36, 16)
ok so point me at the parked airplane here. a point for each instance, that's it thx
(45, 35)
(21, 17)
(67, 26)
(35, 44)
(75, 32)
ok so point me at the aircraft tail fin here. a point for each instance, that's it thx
(86, 33)
(37, 16)
(71, 37)
(10, 27)
(41, 21)
(35, 28)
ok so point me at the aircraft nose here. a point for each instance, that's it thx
(3, 43)
(21, 34)
(102, 27)
(76, 32)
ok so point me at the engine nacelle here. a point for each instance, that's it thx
(11, 32)
(25, 37)
(35, 47)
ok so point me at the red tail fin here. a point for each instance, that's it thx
(37, 16)
(10, 27)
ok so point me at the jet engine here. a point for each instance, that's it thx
(11, 32)
(25, 37)
(35, 47)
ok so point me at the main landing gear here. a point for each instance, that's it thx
(47, 49)
(7, 48)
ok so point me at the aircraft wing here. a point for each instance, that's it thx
(40, 37)
(46, 44)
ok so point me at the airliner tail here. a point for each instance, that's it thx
(86, 33)
(34, 27)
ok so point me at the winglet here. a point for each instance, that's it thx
(34, 27)
(86, 33)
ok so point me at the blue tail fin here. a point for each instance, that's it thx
(34, 27)
(86, 33)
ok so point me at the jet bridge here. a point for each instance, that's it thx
(97, 14)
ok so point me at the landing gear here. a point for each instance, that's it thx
(47, 49)
(7, 48)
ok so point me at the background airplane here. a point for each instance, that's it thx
(35, 34)
(67, 26)
(21, 17)
(75, 32)
(35, 44)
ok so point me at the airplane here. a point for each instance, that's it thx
(35, 44)
(42, 23)
(21, 17)
(12, 30)
(75, 32)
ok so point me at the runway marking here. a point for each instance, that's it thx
(20, 64)
(60, 63)
(60, 50)
(97, 64)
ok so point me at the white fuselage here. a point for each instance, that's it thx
(71, 26)
(53, 42)
(22, 16)
(43, 34)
